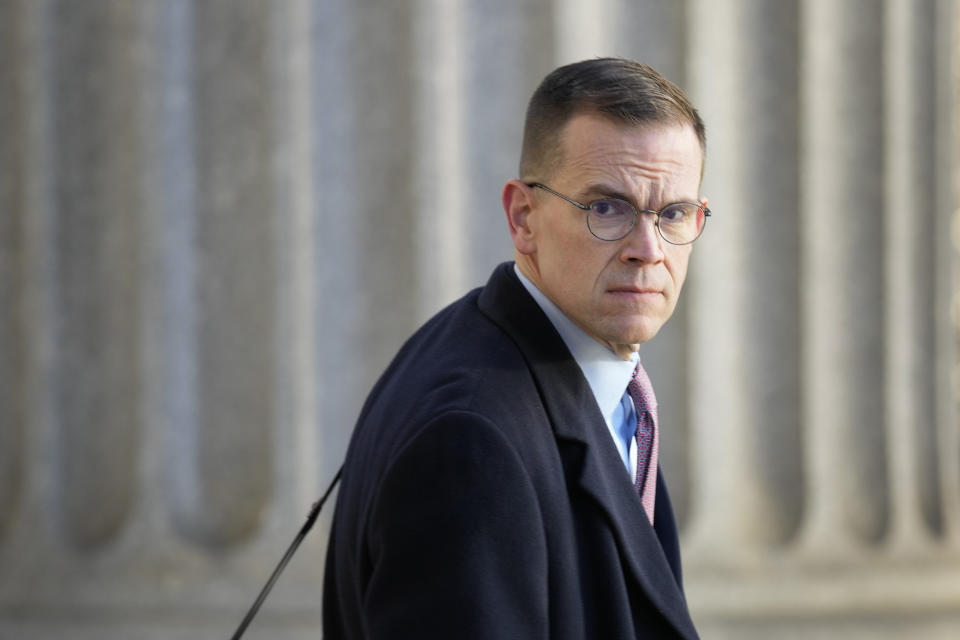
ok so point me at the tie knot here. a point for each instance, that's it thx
(641, 390)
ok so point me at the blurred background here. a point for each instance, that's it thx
(220, 218)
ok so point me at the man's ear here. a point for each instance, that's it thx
(519, 205)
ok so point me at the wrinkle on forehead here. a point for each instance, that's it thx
(646, 165)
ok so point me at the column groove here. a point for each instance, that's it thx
(769, 470)
(503, 61)
(14, 325)
(947, 274)
(293, 133)
(910, 234)
(226, 456)
(338, 238)
(439, 170)
(716, 292)
(96, 239)
(842, 272)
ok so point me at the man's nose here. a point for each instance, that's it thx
(643, 243)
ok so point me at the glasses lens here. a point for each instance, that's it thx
(610, 218)
(681, 223)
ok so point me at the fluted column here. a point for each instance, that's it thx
(744, 391)
(947, 250)
(770, 146)
(910, 230)
(168, 276)
(223, 486)
(96, 238)
(369, 296)
(842, 274)
(715, 392)
(439, 181)
(300, 471)
(28, 209)
(503, 60)
(13, 312)
(337, 117)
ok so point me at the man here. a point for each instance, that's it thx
(502, 481)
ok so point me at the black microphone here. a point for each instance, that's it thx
(311, 519)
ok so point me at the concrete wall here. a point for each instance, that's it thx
(220, 218)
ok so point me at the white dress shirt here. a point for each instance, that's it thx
(607, 374)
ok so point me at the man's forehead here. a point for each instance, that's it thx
(598, 144)
(601, 142)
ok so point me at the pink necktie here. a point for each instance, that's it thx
(648, 437)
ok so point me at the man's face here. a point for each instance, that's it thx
(618, 292)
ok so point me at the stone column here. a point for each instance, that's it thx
(744, 395)
(843, 290)
(95, 240)
(916, 506)
(438, 187)
(508, 47)
(947, 248)
(870, 529)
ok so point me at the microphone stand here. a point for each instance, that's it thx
(311, 519)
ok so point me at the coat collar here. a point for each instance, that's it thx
(589, 455)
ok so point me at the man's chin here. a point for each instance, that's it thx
(622, 343)
(639, 333)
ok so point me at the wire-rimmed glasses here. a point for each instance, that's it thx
(611, 219)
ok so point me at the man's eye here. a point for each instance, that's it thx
(674, 213)
(606, 208)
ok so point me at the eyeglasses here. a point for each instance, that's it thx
(611, 219)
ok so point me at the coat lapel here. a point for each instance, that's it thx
(595, 464)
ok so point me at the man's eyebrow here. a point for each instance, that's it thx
(606, 191)
(592, 192)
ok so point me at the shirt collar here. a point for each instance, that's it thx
(607, 374)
